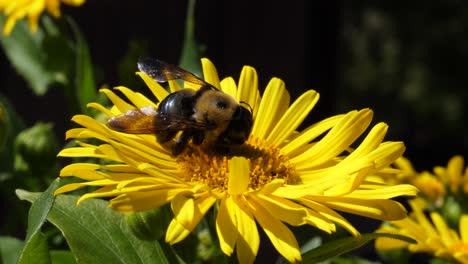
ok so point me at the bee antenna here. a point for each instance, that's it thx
(247, 104)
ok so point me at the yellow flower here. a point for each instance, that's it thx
(18, 9)
(455, 176)
(430, 186)
(278, 176)
(434, 238)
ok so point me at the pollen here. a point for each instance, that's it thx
(197, 164)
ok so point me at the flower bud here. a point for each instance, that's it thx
(451, 212)
(36, 149)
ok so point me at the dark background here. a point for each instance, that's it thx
(405, 60)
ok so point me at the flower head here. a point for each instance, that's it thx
(432, 237)
(433, 185)
(18, 9)
(279, 176)
(455, 175)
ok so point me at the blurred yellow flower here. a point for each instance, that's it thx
(455, 175)
(430, 186)
(18, 9)
(279, 176)
(434, 237)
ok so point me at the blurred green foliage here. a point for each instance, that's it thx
(407, 62)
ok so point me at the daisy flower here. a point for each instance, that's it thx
(433, 235)
(430, 185)
(18, 9)
(279, 177)
(455, 175)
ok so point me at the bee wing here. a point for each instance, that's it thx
(148, 120)
(162, 72)
(135, 121)
(165, 122)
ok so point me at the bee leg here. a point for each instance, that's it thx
(198, 137)
(165, 136)
(181, 142)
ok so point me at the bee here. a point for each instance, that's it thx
(206, 115)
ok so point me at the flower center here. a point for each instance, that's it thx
(200, 165)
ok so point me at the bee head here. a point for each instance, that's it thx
(240, 125)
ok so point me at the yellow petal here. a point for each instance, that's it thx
(118, 102)
(370, 142)
(176, 232)
(137, 99)
(386, 153)
(378, 209)
(68, 188)
(10, 23)
(405, 165)
(174, 86)
(464, 228)
(100, 108)
(280, 236)
(418, 206)
(228, 86)
(82, 152)
(75, 133)
(283, 209)
(158, 91)
(189, 211)
(210, 74)
(293, 117)
(72, 168)
(340, 178)
(272, 186)
(272, 107)
(226, 226)
(53, 7)
(309, 134)
(455, 168)
(248, 240)
(142, 201)
(73, 2)
(442, 228)
(85, 171)
(238, 175)
(331, 215)
(340, 137)
(386, 192)
(248, 86)
(298, 191)
(385, 243)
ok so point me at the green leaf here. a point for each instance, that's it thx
(41, 58)
(96, 234)
(343, 245)
(35, 248)
(191, 51)
(85, 88)
(352, 260)
(10, 249)
(62, 257)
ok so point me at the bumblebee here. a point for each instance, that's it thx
(206, 115)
